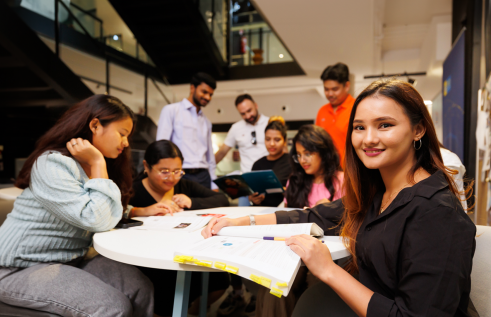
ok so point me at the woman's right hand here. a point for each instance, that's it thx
(84, 152)
(216, 224)
(256, 198)
(158, 209)
(171, 205)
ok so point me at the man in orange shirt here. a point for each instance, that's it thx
(334, 116)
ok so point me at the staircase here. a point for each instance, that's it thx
(35, 88)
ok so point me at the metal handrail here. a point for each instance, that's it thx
(102, 49)
(161, 92)
(85, 11)
(81, 26)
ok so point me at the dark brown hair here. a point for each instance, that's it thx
(315, 140)
(75, 124)
(277, 123)
(243, 97)
(361, 183)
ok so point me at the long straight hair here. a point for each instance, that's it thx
(315, 140)
(75, 124)
(361, 183)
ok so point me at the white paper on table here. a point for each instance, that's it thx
(283, 230)
(184, 224)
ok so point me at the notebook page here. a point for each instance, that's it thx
(283, 230)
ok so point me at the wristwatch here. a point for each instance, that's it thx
(253, 220)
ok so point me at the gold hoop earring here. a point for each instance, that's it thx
(420, 144)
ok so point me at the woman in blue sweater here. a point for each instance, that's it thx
(76, 182)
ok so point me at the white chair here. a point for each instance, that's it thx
(10, 193)
(7, 198)
(481, 272)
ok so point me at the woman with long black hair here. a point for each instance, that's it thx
(76, 182)
(410, 240)
(316, 174)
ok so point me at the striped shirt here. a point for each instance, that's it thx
(54, 219)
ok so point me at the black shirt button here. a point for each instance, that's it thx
(369, 228)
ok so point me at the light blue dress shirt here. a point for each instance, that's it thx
(191, 132)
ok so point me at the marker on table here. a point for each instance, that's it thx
(280, 239)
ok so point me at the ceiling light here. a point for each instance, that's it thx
(115, 37)
(281, 55)
(428, 102)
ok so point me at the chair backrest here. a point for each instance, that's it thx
(481, 272)
(10, 193)
(6, 207)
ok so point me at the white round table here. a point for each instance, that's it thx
(155, 249)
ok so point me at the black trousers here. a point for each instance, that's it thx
(201, 176)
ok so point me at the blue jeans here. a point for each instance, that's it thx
(99, 287)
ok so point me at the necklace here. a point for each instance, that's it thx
(390, 196)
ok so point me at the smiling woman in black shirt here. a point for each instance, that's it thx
(401, 219)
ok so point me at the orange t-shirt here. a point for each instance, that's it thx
(336, 123)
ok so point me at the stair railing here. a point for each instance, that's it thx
(102, 47)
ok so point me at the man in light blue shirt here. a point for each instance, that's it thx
(185, 124)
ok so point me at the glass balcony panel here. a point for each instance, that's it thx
(253, 42)
(220, 22)
(89, 23)
(206, 9)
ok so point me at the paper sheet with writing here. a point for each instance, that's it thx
(283, 230)
(273, 259)
(185, 224)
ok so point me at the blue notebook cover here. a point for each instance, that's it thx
(250, 183)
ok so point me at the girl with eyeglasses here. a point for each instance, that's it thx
(316, 174)
(159, 191)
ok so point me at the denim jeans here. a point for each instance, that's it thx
(97, 287)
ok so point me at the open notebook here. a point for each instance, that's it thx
(245, 252)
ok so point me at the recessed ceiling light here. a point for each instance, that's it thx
(115, 37)
(281, 56)
(428, 102)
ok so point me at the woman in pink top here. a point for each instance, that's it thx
(316, 176)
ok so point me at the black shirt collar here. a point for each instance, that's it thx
(425, 188)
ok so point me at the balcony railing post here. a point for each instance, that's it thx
(212, 16)
(229, 35)
(101, 32)
(249, 43)
(57, 30)
(146, 93)
(261, 38)
(107, 75)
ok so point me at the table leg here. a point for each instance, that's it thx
(204, 294)
(181, 298)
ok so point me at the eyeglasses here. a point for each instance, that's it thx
(165, 173)
(307, 157)
(253, 135)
